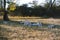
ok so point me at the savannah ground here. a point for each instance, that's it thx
(14, 31)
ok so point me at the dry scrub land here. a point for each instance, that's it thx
(14, 31)
(37, 19)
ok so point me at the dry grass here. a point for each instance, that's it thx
(37, 19)
(17, 32)
(22, 33)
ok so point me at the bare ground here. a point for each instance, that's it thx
(16, 32)
(22, 33)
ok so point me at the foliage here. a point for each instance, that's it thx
(49, 10)
(12, 7)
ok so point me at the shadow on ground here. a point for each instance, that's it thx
(3, 38)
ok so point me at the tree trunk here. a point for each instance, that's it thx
(1, 3)
(5, 16)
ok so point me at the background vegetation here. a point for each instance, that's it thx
(50, 9)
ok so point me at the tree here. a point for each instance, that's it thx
(50, 6)
(3, 4)
(50, 3)
(0, 3)
(12, 7)
(34, 3)
(5, 16)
